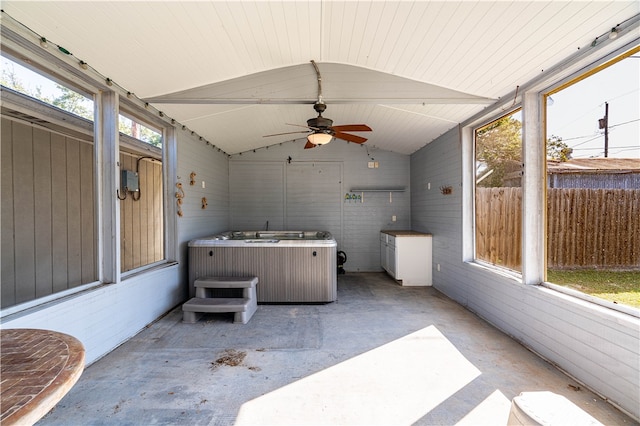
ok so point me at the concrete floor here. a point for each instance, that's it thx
(382, 354)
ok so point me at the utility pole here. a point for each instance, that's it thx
(604, 124)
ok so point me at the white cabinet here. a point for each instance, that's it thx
(384, 259)
(388, 253)
(391, 255)
(406, 256)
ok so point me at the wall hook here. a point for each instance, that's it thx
(179, 197)
(446, 190)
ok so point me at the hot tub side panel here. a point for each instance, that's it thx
(286, 274)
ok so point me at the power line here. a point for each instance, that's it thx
(601, 153)
(635, 148)
(577, 137)
(591, 135)
(589, 140)
(617, 147)
(626, 122)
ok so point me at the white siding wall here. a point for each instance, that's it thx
(598, 346)
(212, 167)
(361, 222)
(303, 196)
(257, 195)
(105, 317)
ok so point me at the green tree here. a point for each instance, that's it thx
(558, 150)
(136, 130)
(498, 151)
(73, 102)
(151, 137)
(67, 100)
(10, 79)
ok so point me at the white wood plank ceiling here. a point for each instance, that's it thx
(234, 71)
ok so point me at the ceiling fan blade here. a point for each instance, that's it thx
(286, 133)
(350, 138)
(309, 145)
(352, 128)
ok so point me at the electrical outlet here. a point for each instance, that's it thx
(203, 185)
(393, 218)
(438, 267)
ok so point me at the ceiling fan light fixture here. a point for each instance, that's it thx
(320, 138)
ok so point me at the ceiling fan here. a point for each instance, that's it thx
(322, 129)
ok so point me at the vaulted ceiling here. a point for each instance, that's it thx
(235, 71)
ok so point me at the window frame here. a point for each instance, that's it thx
(468, 135)
(64, 123)
(506, 113)
(136, 146)
(108, 100)
(594, 67)
(532, 99)
(156, 120)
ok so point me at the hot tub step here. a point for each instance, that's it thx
(226, 282)
(243, 308)
(247, 284)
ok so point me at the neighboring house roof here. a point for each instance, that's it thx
(594, 165)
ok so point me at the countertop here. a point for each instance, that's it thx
(401, 233)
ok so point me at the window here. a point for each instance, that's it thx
(132, 127)
(59, 207)
(140, 194)
(498, 192)
(30, 83)
(49, 226)
(593, 183)
(50, 201)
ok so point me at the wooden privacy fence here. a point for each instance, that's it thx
(498, 226)
(586, 228)
(593, 228)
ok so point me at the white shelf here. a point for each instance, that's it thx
(389, 189)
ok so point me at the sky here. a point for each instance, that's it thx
(572, 114)
(33, 81)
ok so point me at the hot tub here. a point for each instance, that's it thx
(292, 266)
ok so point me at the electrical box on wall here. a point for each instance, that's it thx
(129, 181)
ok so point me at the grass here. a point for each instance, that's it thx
(616, 286)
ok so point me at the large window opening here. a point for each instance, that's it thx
(593, 183)
(133, 127)
(49, 228)
(49, 204)
(35, 85)
(141, 194)
(498, 192)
